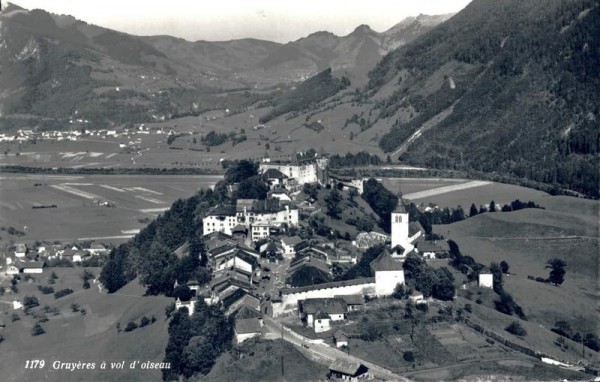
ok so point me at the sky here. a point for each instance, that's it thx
(218, 20)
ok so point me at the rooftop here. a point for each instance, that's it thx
(326, 305)
(247, 325)
(385, 262)
(345, 366)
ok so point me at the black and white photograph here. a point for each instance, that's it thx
(318, 190)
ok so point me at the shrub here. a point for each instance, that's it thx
(37, 330)
(516, 329)
(408, 356)
(46, 289)
(63, 293)
(145, 321)
(131, 326)
(468, 308)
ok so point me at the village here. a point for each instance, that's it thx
(276, 282)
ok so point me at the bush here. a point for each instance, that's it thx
(37, 330)
(131, 326)
(516, 329)
(408, 356)
(145, 321)
(468, 308)
(46, 289)
(63, 293)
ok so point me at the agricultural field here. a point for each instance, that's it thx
(567, 229)
(90, 334)
(454, 192)
(74, 204)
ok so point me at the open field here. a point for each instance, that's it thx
(453, 192)
(527, 239)
(93, 337)
(77, 215)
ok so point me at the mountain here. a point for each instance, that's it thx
(58, 72)
(503, 86)
(355, 53)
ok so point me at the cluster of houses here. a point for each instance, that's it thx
(242, 237)
(33, 259)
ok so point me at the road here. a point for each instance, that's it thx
(274, 330)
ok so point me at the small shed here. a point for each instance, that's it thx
(340, 338)
(347, 370)
(486, 280)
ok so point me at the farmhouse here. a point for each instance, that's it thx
(246, 328)
(430, 250)
(340, 338)
(347, 370)
(320, 312)
(97, 249)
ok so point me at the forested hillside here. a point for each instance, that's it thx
(514, 89)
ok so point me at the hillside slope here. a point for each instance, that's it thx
(505, 86)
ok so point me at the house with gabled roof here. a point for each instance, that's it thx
(347, 369)
(320, 312)
(246, 328)
(20, 250)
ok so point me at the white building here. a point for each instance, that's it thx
(399, 226)
(304, 171)
(486, 280)
(20, 250)
(262, 214)
(388, 274)
(247, 328)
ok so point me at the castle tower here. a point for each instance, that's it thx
(399, 223)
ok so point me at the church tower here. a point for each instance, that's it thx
(399, 225)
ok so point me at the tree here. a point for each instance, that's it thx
(516, 329)
(504, 266)
(30, 302)
(482, 209)
(253, 187)
(131, 326)
(183, 293)
(400, 292)
(492, 206)
(332, 202)
(557, 271)
(473, 210)
(497, 277)
(241, 170)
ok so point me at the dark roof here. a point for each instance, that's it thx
(321, 315)
(427, 246)
(400, 209)
(345, 366)
(326, 305)
(385, 262)
(334, 284)
(223, 210)
(246, 311)
(414, 227)
(352, 299)
(240, 228)
(247, 325)
(291, 240)
(273, 173)
(307, 261)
